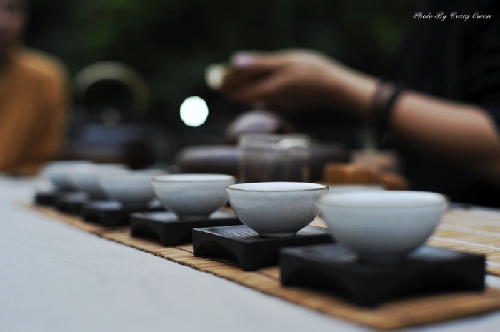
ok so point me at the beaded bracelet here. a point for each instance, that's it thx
(383, 101)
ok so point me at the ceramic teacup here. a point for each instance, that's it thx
(86, 180)
(192, 195)
(275, 209)
(382, 226)
(131, 189)
(343, 188)
(59, 172)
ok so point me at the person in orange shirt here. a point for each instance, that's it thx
(33, 98)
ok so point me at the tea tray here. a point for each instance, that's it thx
(244, 246)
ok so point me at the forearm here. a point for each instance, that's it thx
(446, 129)
(351, 90)
(299, 79)
(460, 132)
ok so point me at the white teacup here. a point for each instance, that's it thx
(192, 195)
(59, 172)
(382, 226)
(130, 189)
(275, 209)
(344, 188)
(86, 180)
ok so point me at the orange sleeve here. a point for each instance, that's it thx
(48, 131)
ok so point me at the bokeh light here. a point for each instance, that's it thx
(194, 111)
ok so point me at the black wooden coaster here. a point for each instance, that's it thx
(426, 271)
(244, 246)
(45, 198)
(71, 203)
(170, 230)
(113, 213)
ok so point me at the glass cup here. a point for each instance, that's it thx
(269, 158)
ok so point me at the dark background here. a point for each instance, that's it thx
(171, 42)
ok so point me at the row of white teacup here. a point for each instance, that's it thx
(377, 225)
(131, 187)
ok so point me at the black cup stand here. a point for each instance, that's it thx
(45, 198)
(171, 231)
(72, 202)
(427, 270)
(244, 246)
(113, 213)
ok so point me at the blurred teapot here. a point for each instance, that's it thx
(108, 122)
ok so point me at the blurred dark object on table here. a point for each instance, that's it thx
(257, 122)
(225, 158)
(108, 123)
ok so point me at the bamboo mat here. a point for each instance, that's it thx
(473, 231)
(392, 315)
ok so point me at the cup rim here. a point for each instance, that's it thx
(314, 187)
(106, 177)
(191, 177)
(381, 199)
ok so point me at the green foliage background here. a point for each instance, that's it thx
(170, 42)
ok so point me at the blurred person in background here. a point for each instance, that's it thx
(33, 98)
(444, 121)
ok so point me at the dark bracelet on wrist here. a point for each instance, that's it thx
(383, 101)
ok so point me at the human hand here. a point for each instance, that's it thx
(288, 80)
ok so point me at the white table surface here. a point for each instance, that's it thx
(54, 277)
